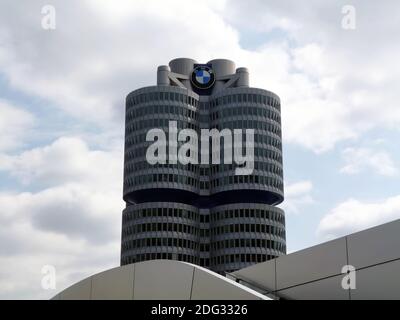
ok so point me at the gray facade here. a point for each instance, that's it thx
(203, 214)
(317, 272)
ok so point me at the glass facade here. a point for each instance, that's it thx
(203, 213)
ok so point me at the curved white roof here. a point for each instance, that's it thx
(158, 280)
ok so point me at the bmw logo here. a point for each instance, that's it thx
(203, 77)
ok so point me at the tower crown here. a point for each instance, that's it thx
(202, 78)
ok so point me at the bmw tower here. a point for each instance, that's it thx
(205, 213)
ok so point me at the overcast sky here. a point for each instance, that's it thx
(62, 97)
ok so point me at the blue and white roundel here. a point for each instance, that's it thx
(203, 77)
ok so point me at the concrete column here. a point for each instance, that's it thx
(162, 76)
(221, 67)
(243, 80)
(183, 66)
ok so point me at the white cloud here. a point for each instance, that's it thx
(353, 215)
(72, 222)
(318, 69)
(20, 275)
(358, 160)
(68, 159)
(76, 211)
(337, 84)
(101, 51)
(71, 227)
(297, 196)
(80, 188)
(15, 124)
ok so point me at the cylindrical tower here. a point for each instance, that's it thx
(183, 66)
(257, 109)
(203, 213)
(162, 76)
(160, 230)
(150, 108)
(246, 228)
(243, 74)
(243, 234)
(157, 224)
(222, 68)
